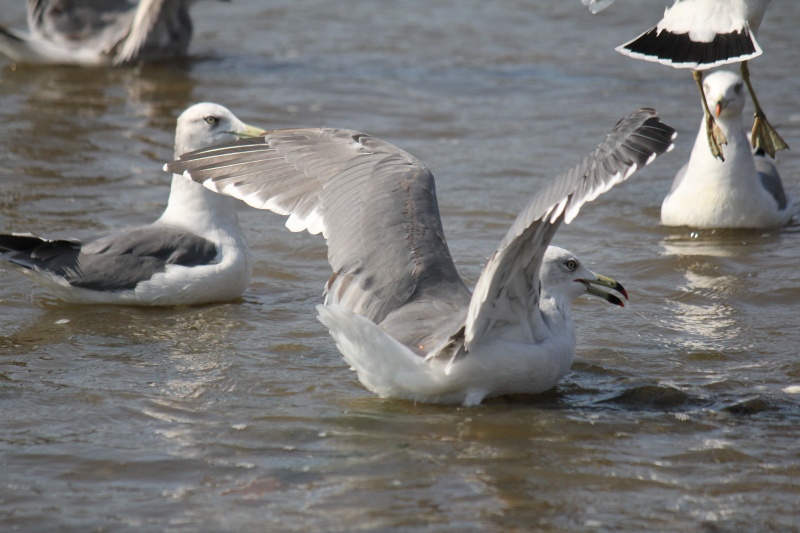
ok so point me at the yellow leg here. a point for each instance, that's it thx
(764, 135)
(715, 136)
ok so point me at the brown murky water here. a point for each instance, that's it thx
(677, 416)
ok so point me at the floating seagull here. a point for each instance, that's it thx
(703, 34)
(100, 32)
(395, 304)
(194, 253)
(743, 191)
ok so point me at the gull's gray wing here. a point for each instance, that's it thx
(374, 204)
(770, 178)
(112, 263)
(512, 273)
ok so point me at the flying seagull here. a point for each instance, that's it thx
(704, 34)
(744, 190)
(100, 32)
(194, 253)
(395, 304)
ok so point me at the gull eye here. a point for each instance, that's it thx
(571, 265)
(211, 120)
(738, 88)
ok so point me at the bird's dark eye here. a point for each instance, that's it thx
(571, 265)
(211, 120)
(738, 88)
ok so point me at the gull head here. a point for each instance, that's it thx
(724, 93)
(563, 274)
(208, 124)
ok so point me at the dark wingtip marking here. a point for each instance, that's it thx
(680, 49)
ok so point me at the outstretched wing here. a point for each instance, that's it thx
(512, 273)
(374, 203)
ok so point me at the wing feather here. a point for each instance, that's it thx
(374, 204)
(633, 143)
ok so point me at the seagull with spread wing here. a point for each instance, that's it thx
(399, 312)
(100, 32)
(194, 253)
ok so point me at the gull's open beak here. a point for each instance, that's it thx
(249, 132)
(605, 282)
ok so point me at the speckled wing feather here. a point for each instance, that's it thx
(512, 272)
(374, 203)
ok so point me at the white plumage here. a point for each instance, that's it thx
(743, 191)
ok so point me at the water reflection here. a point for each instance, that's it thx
(61, 94)
(718, 242)
(701, 306)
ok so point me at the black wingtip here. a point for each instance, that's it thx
(649, 137)
(679, 50)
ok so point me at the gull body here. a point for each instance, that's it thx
(521, 356)
(399, 312)
(704, 34)
(194, 253)
(744, 190)
(100, 32)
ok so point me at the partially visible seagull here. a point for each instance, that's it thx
(395, 304)
(100, 32)
(743, 191)
(703, 34)
(595, 6)
(194, 253)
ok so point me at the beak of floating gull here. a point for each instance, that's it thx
(721, 105)
(249, 132)
(603, 281)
